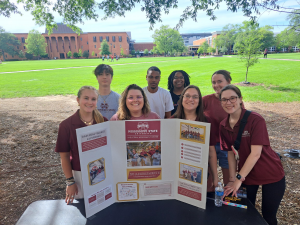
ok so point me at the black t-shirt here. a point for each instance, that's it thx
(175, 99)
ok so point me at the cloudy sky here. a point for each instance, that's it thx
(136, 21)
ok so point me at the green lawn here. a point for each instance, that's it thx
(295, 55)
(280, 80)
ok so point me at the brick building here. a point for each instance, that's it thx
(64, 39)
(209, 39)
(141, 46)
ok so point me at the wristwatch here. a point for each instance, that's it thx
(239, 177)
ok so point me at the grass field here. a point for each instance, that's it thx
(279, 79)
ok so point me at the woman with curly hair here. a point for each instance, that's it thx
(177, 81)
(134, 105)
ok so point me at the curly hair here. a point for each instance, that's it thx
(123, 112)
(171, 78)
(199, 110)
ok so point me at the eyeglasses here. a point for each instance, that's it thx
(178, 78)
(131, 98)
(193, 97)
(232, 99)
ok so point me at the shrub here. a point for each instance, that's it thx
(86, 54)
(75, 55)
(28, 56)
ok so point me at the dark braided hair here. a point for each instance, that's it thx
(171, 78)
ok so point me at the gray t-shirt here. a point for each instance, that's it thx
(108, 105)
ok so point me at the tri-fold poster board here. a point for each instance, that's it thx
(142, 160)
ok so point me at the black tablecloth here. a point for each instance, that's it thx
(166, 212)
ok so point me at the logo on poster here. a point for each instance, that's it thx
(143, 126)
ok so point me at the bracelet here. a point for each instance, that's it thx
(70, 184)
(70, 178)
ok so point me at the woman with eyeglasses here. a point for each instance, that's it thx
(258, 164)
(190, 108)
(177, 81)
(134, 105)
(213, 109)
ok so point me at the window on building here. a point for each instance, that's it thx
(114, 46)
(94, 39)
(295, 48)
(114, 38)
(101, 38)
(120, 46)
(120, 38)
(80, 39)
(95, 46)
(87, 42)
(107, 38)
(81, 46)
(95, 54)
(75, 46)
(23, 39)
(88, 50)
(186, 41)
(24, 47)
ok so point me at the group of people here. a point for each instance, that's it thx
(111, 58)
(191, 135)
(258, 164)
(144, 157)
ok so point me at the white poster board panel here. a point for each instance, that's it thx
(192, 166)
(141, 136)
(94, 146)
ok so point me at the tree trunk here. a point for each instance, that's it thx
(3, 53)
(246, 74)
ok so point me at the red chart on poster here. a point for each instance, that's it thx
(189, 193)
(92, 144)
(142, 130)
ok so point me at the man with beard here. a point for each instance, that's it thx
(160, 100)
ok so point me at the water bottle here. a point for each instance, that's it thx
(219, 191)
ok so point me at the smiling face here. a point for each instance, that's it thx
(218, 82)
(87, 100)
(134, 101)
(232, 103)
(153, 78)
(178, 80)
(190, 99)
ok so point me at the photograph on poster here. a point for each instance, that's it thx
(190, 173)
(143, 154)
(192, 132)
(96, 170)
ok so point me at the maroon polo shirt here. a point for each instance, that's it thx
(67, 139)
(268, 168)
(212, 108)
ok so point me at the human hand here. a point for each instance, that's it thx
(70, 193)
(232, 187)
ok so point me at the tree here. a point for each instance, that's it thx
(21, 54)
(155, 50)
(75, 55)
(248, 44)
(86, 54)
(132, 52)
(205, 46)
(28, 56)
(69, 54)
(146, 51)
(168, 40)
(227, 37)
(200, 50)
(268, 39)
(224, 49)
(73, 11)
(8, 43)
(93, 53)
(79, 53)
(35, 43)
(122, 52)
(104, 48)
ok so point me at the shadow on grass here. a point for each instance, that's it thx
(285, 89)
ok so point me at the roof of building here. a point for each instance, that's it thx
(61, 29)
(195, 34)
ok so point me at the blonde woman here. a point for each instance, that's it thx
(66, 144)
